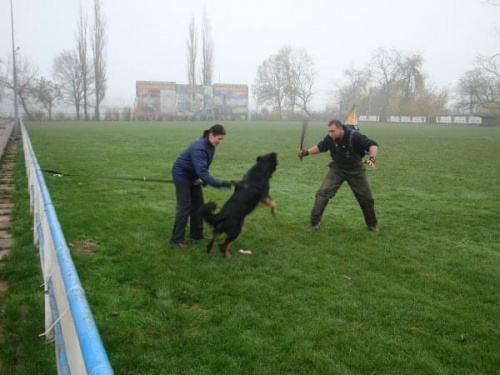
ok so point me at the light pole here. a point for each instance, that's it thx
(16, 106)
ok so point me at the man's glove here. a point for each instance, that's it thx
(225, 184)
(370, 161)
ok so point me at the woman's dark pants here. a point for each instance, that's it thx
(189, 200)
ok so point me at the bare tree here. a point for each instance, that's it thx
(47, 93)
(270, 84)
(98, 50)
(491, 97)
(385, 65)
(480, 88)
(286, 65)
(192, 52)
(83, 60)
(306, 77)
(207, 50)
(300, 74)
(470, 90)
(429, 102)
(490, 65)
(355, 90)
(27, 76)
(68, 75)
(393, 83)
(286, 80)
(411, 75)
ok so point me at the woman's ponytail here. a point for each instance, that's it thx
(216, 129)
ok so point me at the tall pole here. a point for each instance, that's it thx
(16, 106)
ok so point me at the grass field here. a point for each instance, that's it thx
(422, 296)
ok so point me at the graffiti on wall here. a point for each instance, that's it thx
(160, 100)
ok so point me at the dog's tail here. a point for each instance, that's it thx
(207, 212)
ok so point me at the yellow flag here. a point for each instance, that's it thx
(351, 116)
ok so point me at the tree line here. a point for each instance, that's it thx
(393, 82)
(78, 74)
(205, 76)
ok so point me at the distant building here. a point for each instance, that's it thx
(169, 100)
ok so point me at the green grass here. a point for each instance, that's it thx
(419, 297)
(22, 309)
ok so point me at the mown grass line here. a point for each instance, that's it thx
(419, 297)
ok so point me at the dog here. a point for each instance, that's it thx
(252, 189)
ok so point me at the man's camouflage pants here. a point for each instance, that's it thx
(356, 178)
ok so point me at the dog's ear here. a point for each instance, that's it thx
(259, 158)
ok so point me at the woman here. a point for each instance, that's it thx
(190, 167)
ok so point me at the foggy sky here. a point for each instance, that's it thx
(146, 39)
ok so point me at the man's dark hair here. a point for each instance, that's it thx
(216, 129)
(337, 123)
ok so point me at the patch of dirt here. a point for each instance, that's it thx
(85, 246)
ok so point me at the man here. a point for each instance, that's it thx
(347, 148)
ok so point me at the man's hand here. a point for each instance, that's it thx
(370, 161)
(226, 184)
(301, 153)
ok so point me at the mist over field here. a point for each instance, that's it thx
(344, 47)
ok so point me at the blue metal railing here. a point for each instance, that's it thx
(92, 350)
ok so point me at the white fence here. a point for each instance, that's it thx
(369, 118)
(458, 120)
(408, 119)
(68, 319)
(447, 119)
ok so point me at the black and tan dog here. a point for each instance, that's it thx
(254, 188)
